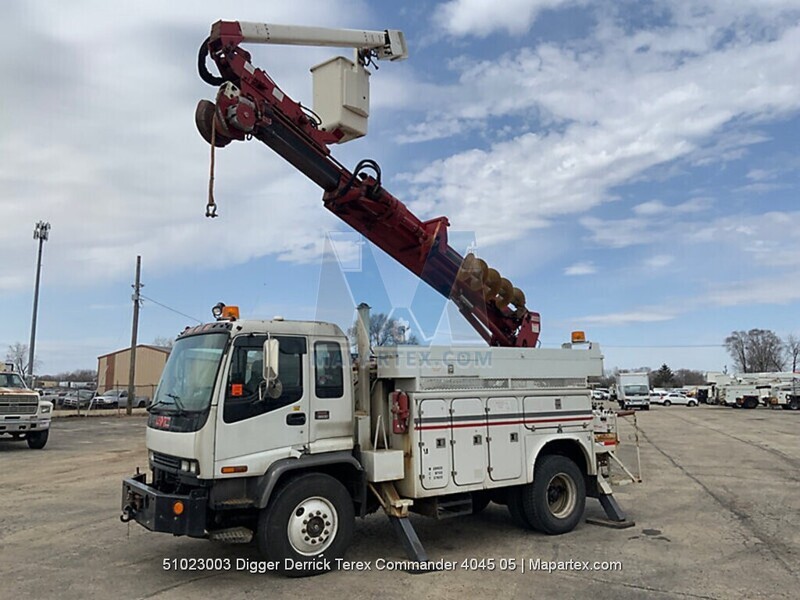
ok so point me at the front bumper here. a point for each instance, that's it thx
(25, 424)
(154, 510)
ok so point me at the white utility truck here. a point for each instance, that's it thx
(743, 395)
(263, 428)
(785, 395)
(633, 390)
(23, 415)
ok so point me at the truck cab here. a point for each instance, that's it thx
(23, 414)
(633, 390)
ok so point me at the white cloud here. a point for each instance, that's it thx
(761, 174)
(659, 261)
(627, 318)
(104, 147)
(652, 207)
(606, 110)
(581, 268)
(783, 289)
(767, 240)
(480, 18)
(621, 233)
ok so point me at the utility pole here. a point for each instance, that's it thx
(41, 233)
(134, 332)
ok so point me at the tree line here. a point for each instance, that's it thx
(763, 351)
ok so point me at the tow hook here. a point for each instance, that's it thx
(128, 513)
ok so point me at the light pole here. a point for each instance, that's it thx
(41, 233)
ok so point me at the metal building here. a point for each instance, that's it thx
(113, 369)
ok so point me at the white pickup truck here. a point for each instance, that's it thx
(23, 414)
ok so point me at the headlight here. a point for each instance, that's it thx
(46, 408)
(190, 466)
(150, 457)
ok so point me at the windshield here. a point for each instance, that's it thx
(188, 378)
(11, 380)
(636, 390)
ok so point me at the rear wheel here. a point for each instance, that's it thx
(480, 500)
(692, 403)
(750, 403)
(38, 439)
(516, 506)
(794, 404)
(309, 521)
(555, 501)
(667, 403)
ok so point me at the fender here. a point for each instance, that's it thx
(536, 444)
(269, 480)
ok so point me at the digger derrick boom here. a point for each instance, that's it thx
(250, 104)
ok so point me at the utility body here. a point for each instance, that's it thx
(266, 429)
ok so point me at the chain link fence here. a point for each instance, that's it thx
(113, 399)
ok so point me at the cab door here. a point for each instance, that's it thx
(253, 428)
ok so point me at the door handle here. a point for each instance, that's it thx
(296, 418)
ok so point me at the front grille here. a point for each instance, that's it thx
(20, 405)
(167, 462)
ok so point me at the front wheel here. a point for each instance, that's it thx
(38, 439)
(692, 403)
(555, 501)
(667, 402)
(308, 523)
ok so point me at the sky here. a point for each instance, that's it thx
(632, 166)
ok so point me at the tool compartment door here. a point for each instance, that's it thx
(504, 419)
(548, 413)
(469, 440)
(434, 435)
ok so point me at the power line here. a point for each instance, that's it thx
(669, 346)
(169, 308)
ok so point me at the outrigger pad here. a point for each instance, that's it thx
(616, 517)
(610, 523)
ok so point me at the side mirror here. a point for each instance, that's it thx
(271, 352)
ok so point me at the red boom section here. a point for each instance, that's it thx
(250, 104)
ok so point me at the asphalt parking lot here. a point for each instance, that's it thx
(717, 516)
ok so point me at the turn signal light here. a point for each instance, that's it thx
(236, 469)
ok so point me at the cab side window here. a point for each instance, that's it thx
(247, 395)
(329, 375)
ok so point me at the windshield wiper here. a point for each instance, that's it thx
(178, 404)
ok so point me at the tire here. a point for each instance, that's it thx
(555, 501)
(480, 500)
(794, 404)
(667, 403)
(516, 506)
(691, 403)
(750, 403)
(281, 527)
(37, 439)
